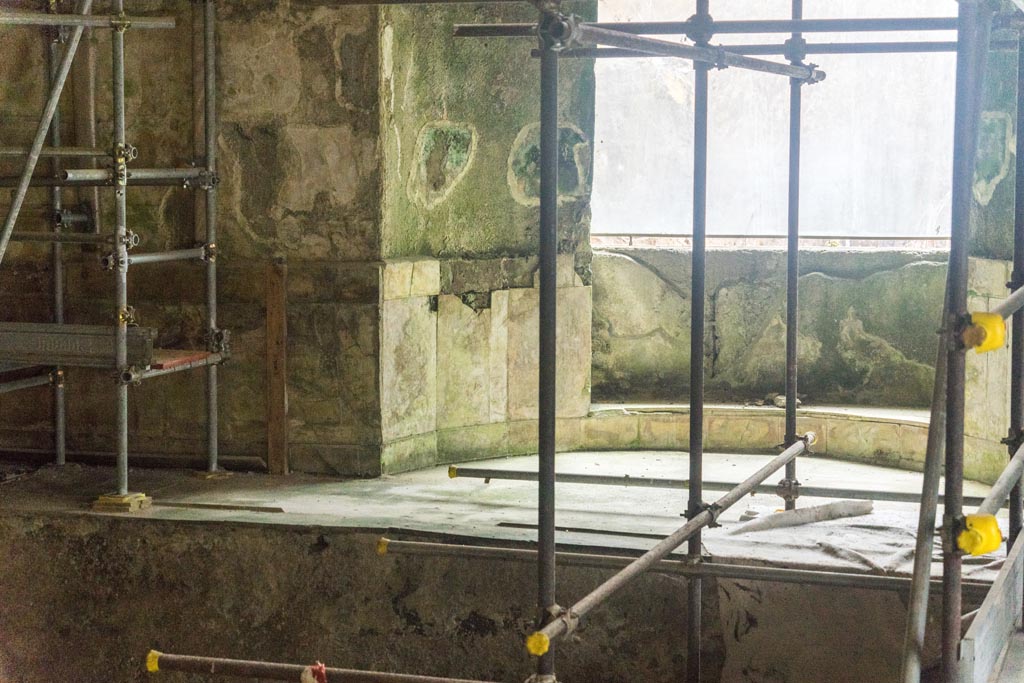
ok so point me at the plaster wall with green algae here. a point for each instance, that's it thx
(460, 154)
(490, 86)
(993, 205)
(867, 325)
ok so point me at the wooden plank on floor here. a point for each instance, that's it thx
(277, 367)
(998, 619)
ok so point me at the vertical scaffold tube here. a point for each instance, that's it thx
(917, 612)
(793, 260)
(974, 21)
(59, 79)
(697, 281)
(210, 120)
(57, 253)
(1017, 323)
(120, 244)
(547, 348)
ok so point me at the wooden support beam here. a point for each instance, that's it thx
(277, 367)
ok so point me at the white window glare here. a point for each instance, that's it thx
(876, 135)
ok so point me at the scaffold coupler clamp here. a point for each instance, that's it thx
(951, 528)
(209, 252)
(702, 28)
(1016, 277)
(982, 331)
(788, 490)
(206, 180)
(129, 375)
(558, 31)
(795, 50)
(1013, 440)
(121, 22)
(720, 58)
(130, 240)
(113, 261)
(57, 377)
(58, 34)
(713, 510)
(218, 341)
(126, 317)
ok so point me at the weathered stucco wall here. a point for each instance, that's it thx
(867, 325)
(299, 178)
(352, 140)
(992, 211)
(460, 144)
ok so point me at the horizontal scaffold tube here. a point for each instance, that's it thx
(164, 256)
(26, 383)
(571, 31)
(875, 48)
(271, 671)
(63, 237)
(667, 483)
(673, 28)
(18, 18)
(386, 546)
(56, 152)
(105, 174)
(539, 642)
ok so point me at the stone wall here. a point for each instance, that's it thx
(460, 144)
(353, 142)
(303, 594)
(867, 325)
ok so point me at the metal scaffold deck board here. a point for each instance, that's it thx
(90, 346)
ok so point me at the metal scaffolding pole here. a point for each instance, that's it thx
(667, 483)
(19, 384)
(272, 671)
(974, 24)
(570, 618)
(1008, 478)
(210, 133)
(1015, 438)
(77, 152)
(871, 48)
(165, 256)
(117, 21)
(122, 314)
(64, 237)
(547, 403)
(573, 32)
(718, 570)
(57, 253)
(790, 484)
(59, 79)
(695, 504)
(711, 28)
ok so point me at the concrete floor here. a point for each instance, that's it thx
(428, 503)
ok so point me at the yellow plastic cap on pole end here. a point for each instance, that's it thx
(453, 472)
(987, 332)
(980, 536)
(153, 661)
(538, 643)
(382, 546)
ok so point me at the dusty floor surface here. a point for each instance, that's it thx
(284, 569)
